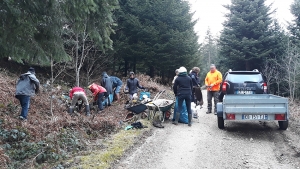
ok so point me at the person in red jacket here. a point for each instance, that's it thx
(99, 94)
(78, 93)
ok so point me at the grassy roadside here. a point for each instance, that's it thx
(115, 148)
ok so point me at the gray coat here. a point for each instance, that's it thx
(27, 84)
(106, 83)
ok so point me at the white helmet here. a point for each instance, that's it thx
(182, 70)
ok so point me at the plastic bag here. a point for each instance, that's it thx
(144, 93)
(183, 114)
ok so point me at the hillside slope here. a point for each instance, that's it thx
(47, 138)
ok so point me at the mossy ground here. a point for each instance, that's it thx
(116, 147)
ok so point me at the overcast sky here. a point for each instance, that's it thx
(211, 14)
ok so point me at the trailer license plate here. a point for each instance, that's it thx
(255, 117)
(244, 92)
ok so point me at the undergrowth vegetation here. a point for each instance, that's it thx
(47, 138)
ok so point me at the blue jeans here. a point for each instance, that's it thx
(175, 111)
(187, 99)
(117, 90)
(25, 102)
(99, 101)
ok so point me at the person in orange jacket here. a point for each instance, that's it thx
(212, 81)
(99, 93)
(78, 93)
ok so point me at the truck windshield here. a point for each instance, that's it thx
(245, 78)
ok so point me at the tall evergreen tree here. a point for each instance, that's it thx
(31, 31)
(246, 38)
(294, 27)
(156, 36)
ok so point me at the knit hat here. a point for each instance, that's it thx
(31, 69)
(182, 70)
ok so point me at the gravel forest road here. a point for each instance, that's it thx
(239, 145)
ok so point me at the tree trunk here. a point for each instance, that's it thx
(51, 87)
(134, 65)
(126, 67)
(151, 71)
(247, 65)
(76, 61)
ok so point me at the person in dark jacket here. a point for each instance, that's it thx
(132, 84)
(196, 82)
(117, 84)
(28, 85)
(107, 84)
(183, 90)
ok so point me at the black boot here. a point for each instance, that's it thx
(70, 110)
(208, 112)
(176, 118)
(87, 110)
(190, 119)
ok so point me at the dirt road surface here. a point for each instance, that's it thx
(240, 145)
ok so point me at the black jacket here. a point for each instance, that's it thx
(132, 85)
(183, 85)
(195, 78)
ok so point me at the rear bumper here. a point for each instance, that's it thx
(253, 116)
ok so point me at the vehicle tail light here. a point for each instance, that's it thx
(279, 116)
(265, 87)
(230, 116)
(224, 87)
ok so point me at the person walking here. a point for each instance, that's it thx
(107, 84)
(78, 93)
(117, 85)
(196, 82)
(212, 81)
(132, 84)
(99, 94)
(183, 90)
(28, 85)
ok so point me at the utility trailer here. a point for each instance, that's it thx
(254, 107)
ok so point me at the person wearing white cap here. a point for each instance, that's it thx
(182, 88)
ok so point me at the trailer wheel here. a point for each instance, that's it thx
(283, 125)
(220, 122)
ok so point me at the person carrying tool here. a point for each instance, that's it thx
(78, 93)
(212, 81)
(99, 94)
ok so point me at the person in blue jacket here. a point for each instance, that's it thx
(183, 90)
(132, 84)
(107, 84)
(117, 84)
(28, 85)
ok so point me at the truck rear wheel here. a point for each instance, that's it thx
(220, 122)
(283, 125)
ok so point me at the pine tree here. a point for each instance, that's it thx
(156, 36)
(31, 31)
(294, 27)
(246, 38)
